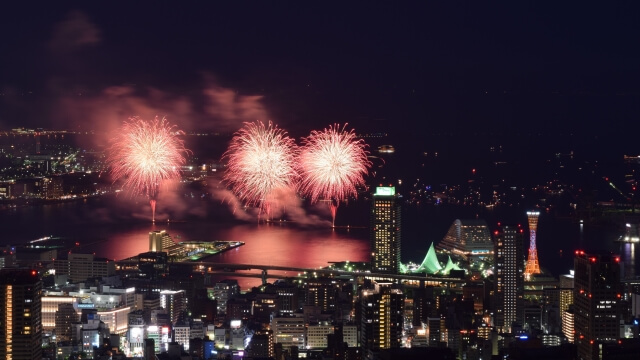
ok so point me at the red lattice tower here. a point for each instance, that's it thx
(533, 267)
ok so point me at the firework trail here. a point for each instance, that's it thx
(145, 154)
(333, 164)
(260, 164)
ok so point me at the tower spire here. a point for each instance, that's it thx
(533, 267)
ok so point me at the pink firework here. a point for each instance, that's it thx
(333, 164)
(145, 154)
(261, 164)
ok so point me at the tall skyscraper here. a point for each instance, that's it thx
(382, 319)
(596, 302)
(385, 231)
(509, 279)
(21, 325)
(533, 267)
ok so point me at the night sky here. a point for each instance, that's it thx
(408, 68)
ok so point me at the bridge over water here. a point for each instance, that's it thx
(232, 269)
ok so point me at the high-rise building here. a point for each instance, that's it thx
(21, 325)
(509, 279)
(566, 300)
(596, 302)
(467, 238)
(174, 303)
(385, 231)
(533, 267)
(382, 318)
(160, 240)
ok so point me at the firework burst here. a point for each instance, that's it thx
(260, 164)
(145, 154)
(333, 164)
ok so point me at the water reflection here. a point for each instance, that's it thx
(264, 244)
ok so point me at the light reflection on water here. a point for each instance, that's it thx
(109, 228)
(264, 244)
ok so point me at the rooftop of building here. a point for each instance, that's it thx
(18, 276)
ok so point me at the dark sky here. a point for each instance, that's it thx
(406, 67)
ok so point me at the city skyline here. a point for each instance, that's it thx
(357, 181)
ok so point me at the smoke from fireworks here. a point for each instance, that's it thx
(332, 165)
(145, 154)
(260, 164)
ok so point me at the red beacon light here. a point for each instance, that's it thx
(592, 259)
(617, 258)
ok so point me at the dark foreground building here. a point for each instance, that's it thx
(20, 313)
